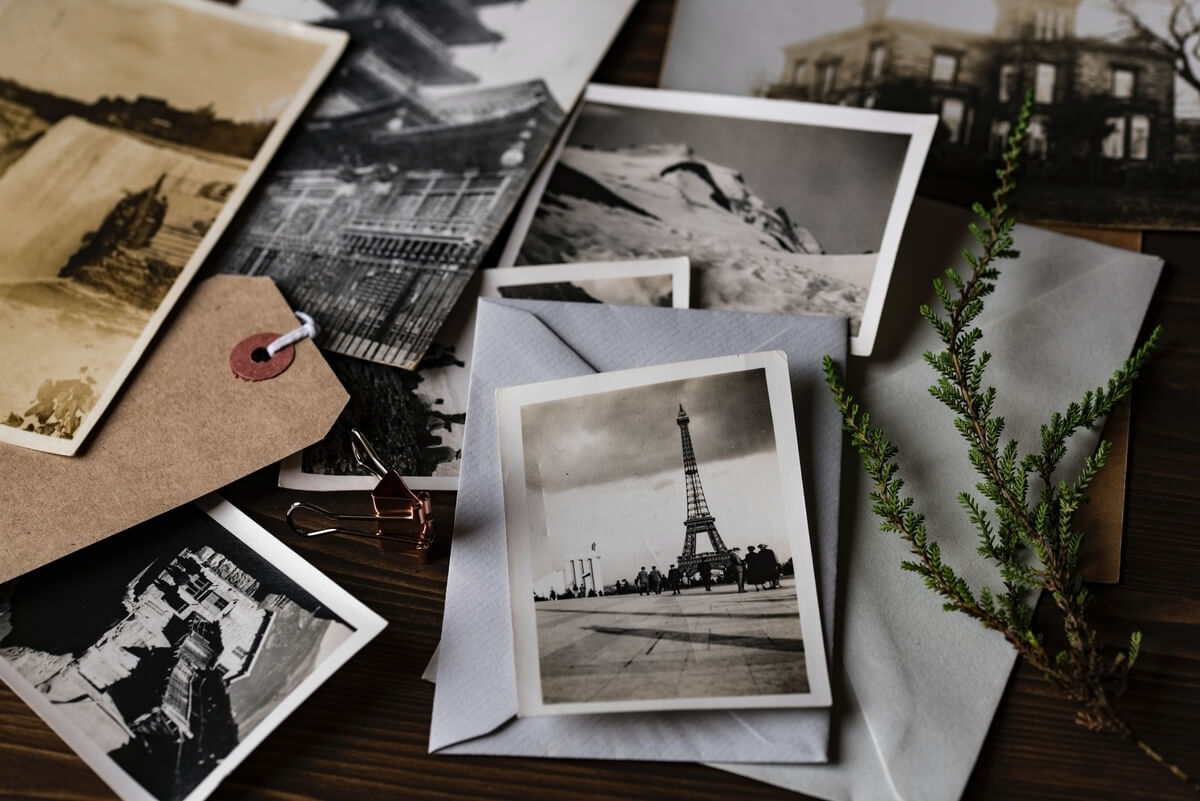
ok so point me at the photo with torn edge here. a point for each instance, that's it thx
(1114, 139)
(658, 545)
(130, 132)
(421, 436)
(165, 654)
(418, 148)
(782, 207)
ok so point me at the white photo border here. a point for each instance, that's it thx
(509, 402)
(920, 129)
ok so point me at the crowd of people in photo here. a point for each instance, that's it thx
(759, 568)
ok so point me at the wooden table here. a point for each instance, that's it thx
(363, 735)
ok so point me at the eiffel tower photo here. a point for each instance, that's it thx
(699, 519)
(598, 489)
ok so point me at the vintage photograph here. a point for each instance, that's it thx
(387, 200)
(129, 133)
(1115, 136)
(742, 187)
(659, 554)
(421, 436)
(165, 654)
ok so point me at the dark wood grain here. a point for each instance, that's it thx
(363, 735)
(635, 58)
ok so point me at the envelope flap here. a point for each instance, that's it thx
(511, 347)
(183, 427)
(934, 239)
(620, 337)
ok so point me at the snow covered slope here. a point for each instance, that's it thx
(673, 184)
(664, 200)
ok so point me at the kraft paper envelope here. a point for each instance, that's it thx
(922, 684)
(519, 342)
(183, 426)
(919, 685)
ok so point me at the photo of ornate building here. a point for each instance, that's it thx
(976, 82)
(377, 215)
(1113, 138)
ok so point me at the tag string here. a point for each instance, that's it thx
(308, 330)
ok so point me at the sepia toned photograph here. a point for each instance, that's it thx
(421, 436)
(741, 187)
(129, 133)
(386, 201)
(1115, 135)
(658, 546)
(165, 654)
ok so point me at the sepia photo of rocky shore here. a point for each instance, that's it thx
(123, 137)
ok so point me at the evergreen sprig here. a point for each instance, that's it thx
(1030, 536)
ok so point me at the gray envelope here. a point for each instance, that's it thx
(520, 342)
(918, 686)
(923, 684)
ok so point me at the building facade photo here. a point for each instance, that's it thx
(976, 82)
(378, 213)
(1115, 133)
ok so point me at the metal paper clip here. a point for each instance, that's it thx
(400, 514)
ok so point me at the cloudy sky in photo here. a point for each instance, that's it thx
(607, 469)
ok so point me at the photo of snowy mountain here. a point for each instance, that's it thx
(661, 200)
(749, 200)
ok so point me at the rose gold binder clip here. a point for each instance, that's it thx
(401, 515)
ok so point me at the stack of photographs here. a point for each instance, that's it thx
(659, 554)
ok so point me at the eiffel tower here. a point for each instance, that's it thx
(698, 518)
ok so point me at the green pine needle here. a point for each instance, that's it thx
(1031, 541)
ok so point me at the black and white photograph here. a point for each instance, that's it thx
(165, 654)
(129, 134)
(420, 144)
(1115, 134)
(658, 546)
(741, 186)
(421, 436)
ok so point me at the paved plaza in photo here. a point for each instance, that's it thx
(694, 645)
